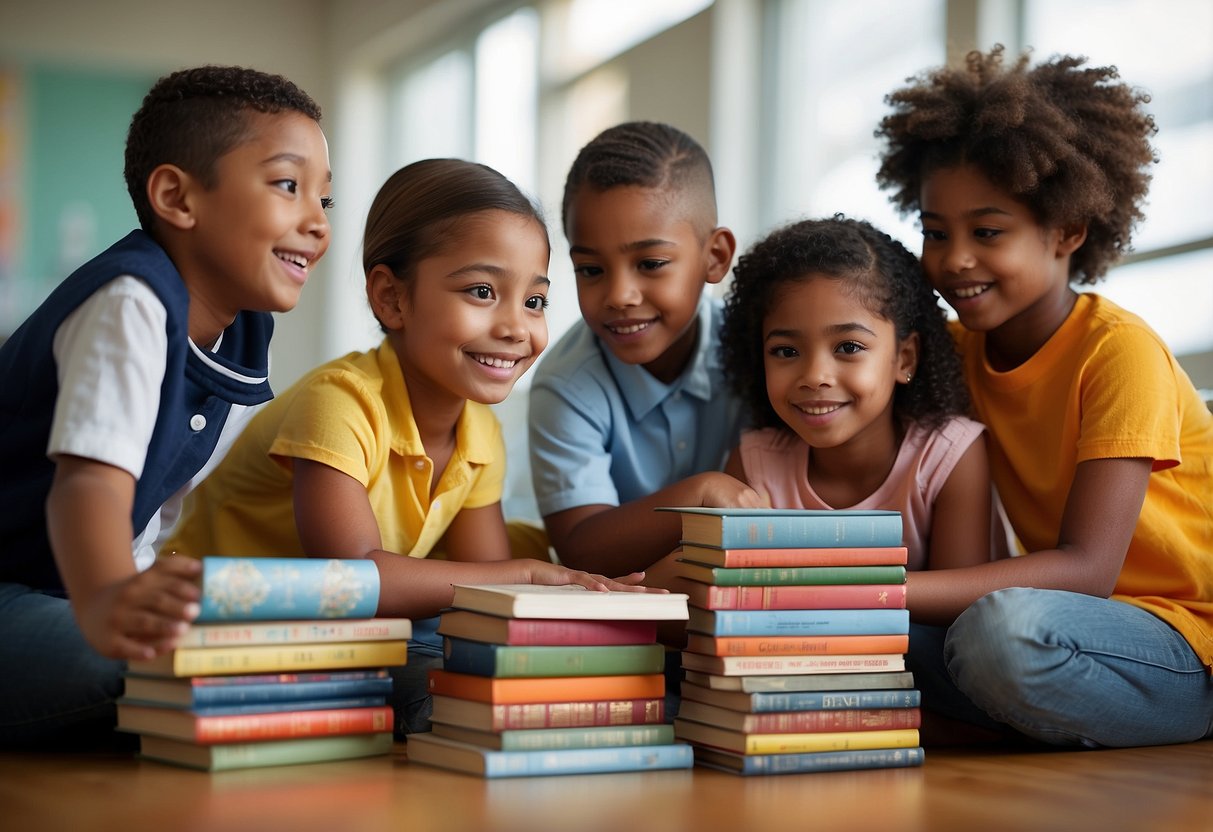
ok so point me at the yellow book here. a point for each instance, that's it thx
(273, 658)
(742, 743)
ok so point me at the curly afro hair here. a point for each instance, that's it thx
(191, 117)
(885, 277)
(1071, 143)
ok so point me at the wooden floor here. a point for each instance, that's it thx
(1156, 789)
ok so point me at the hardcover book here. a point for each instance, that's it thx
(794, 645)
(432, 750)
(264, 658)
(244, 708)
(821, 700)
(790, 575)
(854, 597)
(800, 743)
(241, 755)
(902, 680)
(799, 622)
(783, 556)
(807, 722)
(735, 528)
(544, 631)
(485, 716)
(206, 730)
(239, 633)
(570, 601)
(752, 764)
(792, 665)
(552, 739)
(551, 689)
(196, 691)
(267, 589)
(481, 659)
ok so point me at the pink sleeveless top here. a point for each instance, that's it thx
(778, 463)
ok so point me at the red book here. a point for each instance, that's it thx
(544, 631)
(780, 557)
(206, 730)
(485, 716)
(507, 691)
(802, 722)
(824, 597)
(795, 645)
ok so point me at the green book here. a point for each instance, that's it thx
(258, 754)
(790, 575)
(482, 659)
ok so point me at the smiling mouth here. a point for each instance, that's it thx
(495, 362)
(297, 260)
(628, 328)
(966, 292)
(817, 409)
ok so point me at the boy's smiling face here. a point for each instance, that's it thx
(254, 235)
(641, 265)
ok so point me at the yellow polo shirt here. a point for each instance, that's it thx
(352, 414)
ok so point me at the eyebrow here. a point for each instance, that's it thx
(976, 212)
(294, 159)
(494, 271)
(832, 329)
(638, 245)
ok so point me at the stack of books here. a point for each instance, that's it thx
(544, 680)
(797, 634)
(283, 665)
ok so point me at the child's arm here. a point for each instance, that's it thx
(477, 535)
(960, 518)
(123, 613)
(334, 519)
(1102, 507)
(632, 536)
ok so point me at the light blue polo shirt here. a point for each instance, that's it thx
(603, 432)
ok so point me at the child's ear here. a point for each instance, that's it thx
(169, 190)
(720, 247)
(386, 294)
(907, 358)
(1071, 238)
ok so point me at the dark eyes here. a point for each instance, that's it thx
(327, 202)
(850, 348)
(537, 302)
(292, 187)
(782, 352)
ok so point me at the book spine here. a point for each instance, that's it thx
(288, 678)
(802, 622)
(558, 632)
(834, 530)
(796, 645)
(213, 661)
(800, 576)
(283, 707)
(555, 689)
(776, 665)
(822, 721)
(289, 692)
(823, 761)
(295, 632)
(589, 760)
(273, 752)
(785, 557)
(267, 589)
(846, 597)
(569, 714)
(482, 659)
(225, 729)
(830, 741)
(567, 738)
(818, 700)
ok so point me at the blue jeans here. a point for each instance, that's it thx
(411, 700)
(55, 690)
(1065, 669)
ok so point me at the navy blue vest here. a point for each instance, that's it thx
(29, 387)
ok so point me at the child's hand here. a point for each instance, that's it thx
(144, 615)
(719, 490)
(542, 572)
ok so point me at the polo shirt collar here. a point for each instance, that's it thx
(642, 392)
(473, 446)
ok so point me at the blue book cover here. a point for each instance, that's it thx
(289, 692)
(440, 752)
(816, 761)
(733, 528)
(265, 707)
(530, 661)
(829, 700)
(863, 622)
(267, 589)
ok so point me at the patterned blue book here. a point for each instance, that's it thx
(799, 763)
(194, 692)
(268, 707)
(736, 528)
(799, 622)
(266, 589)
(826, 700)
(428, 749)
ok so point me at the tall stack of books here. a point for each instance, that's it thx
(798, 629)
(544, 680)
(283, 665)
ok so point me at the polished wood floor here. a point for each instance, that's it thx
(1156, 789)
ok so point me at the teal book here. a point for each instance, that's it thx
(735, 528)
(517, 661)
(431, 750)
(799, 622)
(198, 691)
(816, 761)
(263, 753)
(791, 575)
(267, 589)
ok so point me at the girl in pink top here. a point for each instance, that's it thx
(856, 394)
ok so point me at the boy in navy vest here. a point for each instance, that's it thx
(127, 384)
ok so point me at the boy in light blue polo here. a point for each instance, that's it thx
(630, 411)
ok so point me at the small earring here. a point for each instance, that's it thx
(908, 377)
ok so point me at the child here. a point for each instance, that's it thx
(129, 381)
(855, 389)
(630, 411)
(393, 453)
(1102, 451)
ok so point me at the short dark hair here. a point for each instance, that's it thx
(1071, 143)
(886, 278)
(646, 154)
(192, 117)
